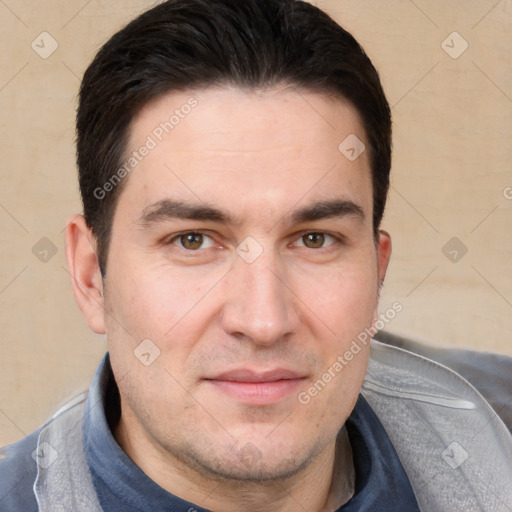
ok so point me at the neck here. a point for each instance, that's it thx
(324, 485)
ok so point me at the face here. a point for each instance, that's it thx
(242, 248)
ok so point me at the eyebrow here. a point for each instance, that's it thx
(328, 209)
(168, 209)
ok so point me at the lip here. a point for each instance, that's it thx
(257, 387)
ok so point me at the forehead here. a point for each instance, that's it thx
(220, 144)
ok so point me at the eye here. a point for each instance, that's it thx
(192, 241)
(316, 240)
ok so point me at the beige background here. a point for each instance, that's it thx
(452, 177)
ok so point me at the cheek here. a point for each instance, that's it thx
(164, 305)
(156, 301)
(344, 298)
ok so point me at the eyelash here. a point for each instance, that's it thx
(337, 239)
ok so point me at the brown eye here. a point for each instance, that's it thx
(191, 241)
(194, 241)
(314, 240)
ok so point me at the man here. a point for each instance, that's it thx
(234, 163)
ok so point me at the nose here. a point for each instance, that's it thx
(259, 303)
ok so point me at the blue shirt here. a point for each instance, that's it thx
(381, 482)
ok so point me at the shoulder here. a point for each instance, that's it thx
(18, 471)
(489, 373)
(19, 462)
(438, 420)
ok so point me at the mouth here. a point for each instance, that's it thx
(257, 387)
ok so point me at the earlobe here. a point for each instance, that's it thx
(85, 272)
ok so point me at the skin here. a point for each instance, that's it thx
(259, 157)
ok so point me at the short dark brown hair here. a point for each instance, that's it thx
(186, 44)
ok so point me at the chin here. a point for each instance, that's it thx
(252, 470)
(253, 461)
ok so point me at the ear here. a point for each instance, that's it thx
(383, 254)
(85, 272)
